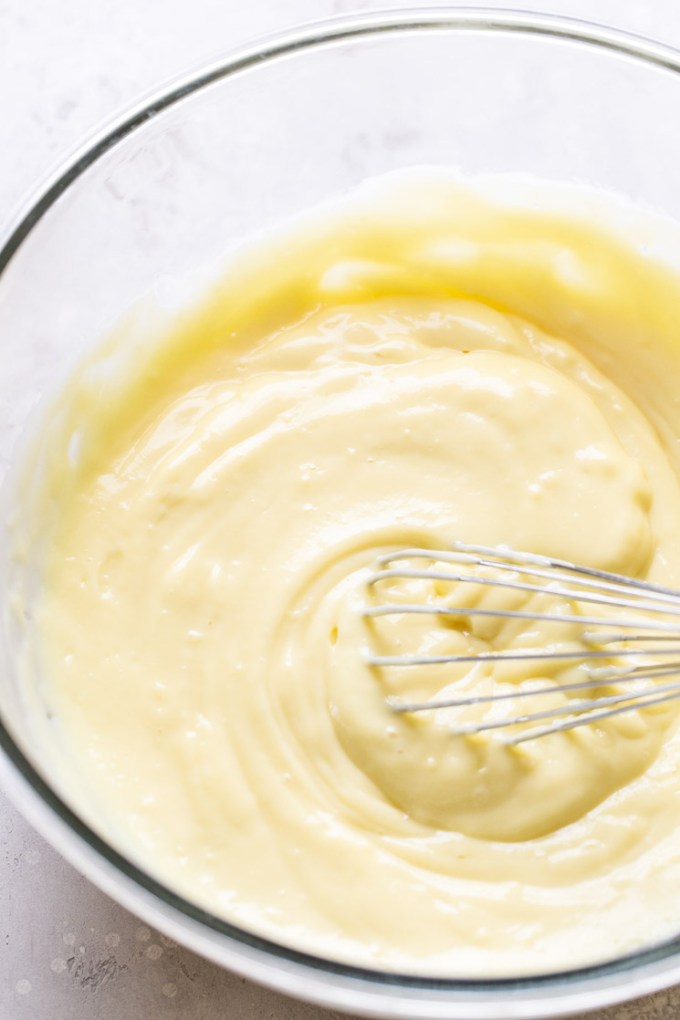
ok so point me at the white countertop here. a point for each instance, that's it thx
(67, 952)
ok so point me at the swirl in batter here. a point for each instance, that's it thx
(427, 362)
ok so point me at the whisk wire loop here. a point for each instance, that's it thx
(630, 638)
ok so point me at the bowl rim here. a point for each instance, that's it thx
(364, 990)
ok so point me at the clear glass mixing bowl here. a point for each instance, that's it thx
(253, 139)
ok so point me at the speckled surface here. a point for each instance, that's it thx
(67, 952)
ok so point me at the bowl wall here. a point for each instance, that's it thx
(168, 191)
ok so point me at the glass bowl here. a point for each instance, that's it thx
(250, 140)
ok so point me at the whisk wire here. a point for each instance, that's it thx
(666, 606)
(575, 708)
(481, 699)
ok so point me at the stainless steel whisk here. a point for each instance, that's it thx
(635, 632)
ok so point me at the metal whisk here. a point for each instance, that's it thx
(635, 637)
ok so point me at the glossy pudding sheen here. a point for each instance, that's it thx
(426, 361)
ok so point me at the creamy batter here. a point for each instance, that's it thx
(428, 361)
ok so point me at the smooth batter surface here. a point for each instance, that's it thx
(427, 362)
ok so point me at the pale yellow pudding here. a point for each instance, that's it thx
(426, 361)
